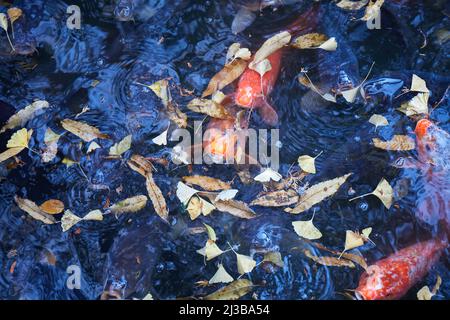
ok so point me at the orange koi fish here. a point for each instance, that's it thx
(392, 277)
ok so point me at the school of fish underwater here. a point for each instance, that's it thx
(224, 150)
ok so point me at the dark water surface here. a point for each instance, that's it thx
(98, 67)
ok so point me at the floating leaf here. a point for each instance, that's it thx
(274, 258)
(366, 232)
(13, 14)
(224, 77)
(34, 211)
(378, 120)
(307, 163)
(210, 250)
(245, 264)
(24, 115)
(426, 294)
(270, 46)
(68, 162)
(373, 10)
(233, 291)
(83, 130)
(207, 183)
(17, 142)
(307, 229)
(417, 105)
(185, 193)
(267, 175)
(68, 220)
(157, 198)
(199, 206)
(329, 261)
(209, 107)
(309, 40)
(397, 143)
(418, 84)
(226, 195)
(95, 215)
(262, 67)
(352, 5)
(52, 206)
(329, 45)
(353, 240)
(139, 164)
(221, 276)
(161, 139)
(318, 193)
(232, 50)
(92, 146)
(234, 207)
(211, 233)
(133, 204)
(121, 147)
(349, 256)
(278, 198)
(383, 191)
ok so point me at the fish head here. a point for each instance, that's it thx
(245, 96)
(220, 139)
(432, 144)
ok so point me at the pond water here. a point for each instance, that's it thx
(91, 75)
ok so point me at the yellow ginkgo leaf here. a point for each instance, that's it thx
(274, 258)
(20, 139)
(121, 147)
(366, 232)
(185, 193)
(245, 263)
(378, 120)
(210, 250)
(417, 105)
(211, 233)
(418, 84)
(383, 191)
(306, 229)
(307, 163)
(424, 293)
(352, 240)
(267, 175)
(221, 276)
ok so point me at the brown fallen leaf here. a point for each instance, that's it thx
(233, 291)
(318, 193)
(210, 108)
(309, 41)
(349, 256)
(207, 183)
(139, 164)
(224, 77)
(329, 261)
(176, 115)
(234, 207)
(383, 191)
(278, 198)
(24, 115)
(51, 145)
(52, 206)
(133, 204)
(352, 5)
(83, 130)
(397, 143)
(34, 211)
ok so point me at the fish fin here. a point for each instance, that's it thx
(267, 113)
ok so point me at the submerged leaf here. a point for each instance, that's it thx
(278, 198)
(353, 240)
(161, 139)
(51, 145)
(52, 206)
(133, 204)
(209, 107)
(329, 261)
(207, 183)
(274, 258)
(378, 120)
(19, 139)
(210, 250)
(267, 175)
(121, 147)
(185, 193)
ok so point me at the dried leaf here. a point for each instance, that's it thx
(121, 147)
(24, 115)
(267, 175)
(224, 77)
(418, 84)
(232, 50)
(384, 192)
(221, 276)
(52, 206)
(92, 146)
(19, 139)
(34, 211)
(424, 293)
(274, 258)
(307, 163)
(270, 46)
(245, 264)
(352, 5)
(14, 14)
(278, 198)
(309, 40)
(329, 261)
(139, 164)
(207, 183)
(417, 105)
(262, 67)
(9, 153)
(95, 215)
(210, 250)
(185, 193)
(243, 53)
(211, 233)
(233, 291)
(306, 229)
(133, 204)
(318, 193)
(157, 198)
(397, 143)
(226, 195)
(209, 107)
(378, 120)
(329, 45)
(353, 240)
(83, 130)
(68, 220)
(234, 207)
(176, 115)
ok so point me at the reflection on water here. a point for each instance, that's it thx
(95, 73)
